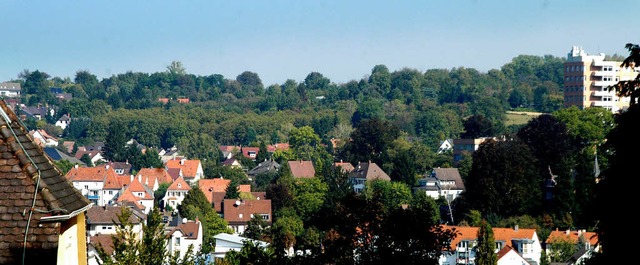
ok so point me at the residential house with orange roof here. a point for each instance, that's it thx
(99, 184)
(589, 239)
(302, 169)
(250, 152)
(191, 169)
(209, 186)
(523, 240)
(176, 193)
(228, 150)
(184, 235)
(238, 212)
(278, 146)
(36, 200)
(140, 194)
(153, 177)
(366, 171)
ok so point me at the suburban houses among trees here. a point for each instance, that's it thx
(399, 167)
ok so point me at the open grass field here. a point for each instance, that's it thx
(520, 117)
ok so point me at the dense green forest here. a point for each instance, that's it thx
(396, 119)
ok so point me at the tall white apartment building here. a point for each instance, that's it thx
(587, 78)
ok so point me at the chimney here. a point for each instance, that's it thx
(182, 161)
(568, 231)
(131, 180)
(140, 178)
(515, 228)
(76, 166)
(106, 166)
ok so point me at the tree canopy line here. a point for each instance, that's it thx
(395, 119)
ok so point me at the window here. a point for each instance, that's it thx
(606, 98)
(264, 216)
(607, 78)
(607, 68)
(110, 192)
(177, 241)
(86, 187)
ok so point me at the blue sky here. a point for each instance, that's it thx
(280, 40)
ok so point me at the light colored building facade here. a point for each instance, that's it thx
(185, 235)
(587, 78)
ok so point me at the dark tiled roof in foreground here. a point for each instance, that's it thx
(21, 162)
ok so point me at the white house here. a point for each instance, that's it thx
(442, 182)
(64, 121)
(509, 256)
(191, 169)
(10, 90)
(184, 235)
(228, 242)
(523, 241)
(445, 146)
(176, 193)
(139, 194)
(100, 220)
(366, 171)
(99, 184)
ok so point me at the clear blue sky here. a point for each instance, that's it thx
(280, 40)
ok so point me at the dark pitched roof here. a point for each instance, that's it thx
(107, 215)
(57, 155)
(447, 175)
(264, 167)
(368, 171)
(29, 177)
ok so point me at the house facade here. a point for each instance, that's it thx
(99, 184)
(176, 193)
(366, 171)
(238, 212)
(184, 235)
(442, 182)
(523, 241)
(100, 220)
(228, 242)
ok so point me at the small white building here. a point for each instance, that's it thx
(228, 242)
(176, 193)
(184, 235)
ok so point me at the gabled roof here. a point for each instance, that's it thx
(189, 229)
(136, 186)
(30, 178)
(216, 199)
(244, 188)
(572, 236)
(209, 186)
(508, 255)
(264, 167)
(278, 146)
(98, 173)
(107, 215)
(102, 240)
(189, 167)
(238, 239)
(179, 184)
(6, 86)
(127, 196)
(368, 171)
(449, 174)
(241, 213)
(175, 173)
(500, 234)
(247, 150)
(302, 169)
(150, 176)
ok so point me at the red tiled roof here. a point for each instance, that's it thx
(97, 173)
(244, 188)
(209, 186)
(102, 240)
(302, 169)
(241, 214)
(127, 196)
(189, 167)
(246, 150)
(189, 229)
(175, 173)
(150, 176)
(572, 236)
(216, 199)
(278, 146)
(500, 234)
(368, 171)
(111, 182)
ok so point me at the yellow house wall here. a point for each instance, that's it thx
(72, 242)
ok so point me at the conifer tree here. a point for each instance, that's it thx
(485, 253)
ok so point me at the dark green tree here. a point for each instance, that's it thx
(485, 252)
(232, 191)
(115, 145)
(153, 249)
